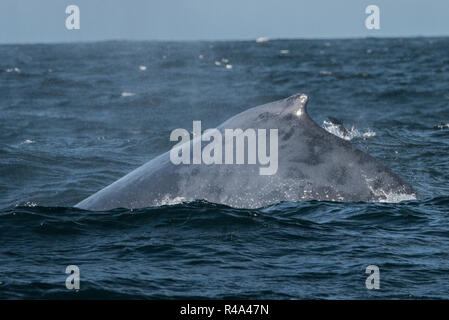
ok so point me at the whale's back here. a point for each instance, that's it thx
(312, 164)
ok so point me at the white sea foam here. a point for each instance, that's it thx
(325, 73)
(349, 134)
(229, 66)
(28, 141)
(128, 94)
(262, 39)
(284, 51)
(30, 204)
(369, 134)
(142, 68)
(16, 70)
(167, 201)
(397, 197)
(443, 126)
(391, 197)
(388, 197)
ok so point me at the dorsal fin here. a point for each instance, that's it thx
(297, 104)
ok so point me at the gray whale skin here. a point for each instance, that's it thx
(312, 165)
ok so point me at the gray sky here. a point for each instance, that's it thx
(44, 20)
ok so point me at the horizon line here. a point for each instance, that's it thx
(223, 40)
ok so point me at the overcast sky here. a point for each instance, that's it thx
(44, 20)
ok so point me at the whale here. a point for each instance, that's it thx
(312, 164)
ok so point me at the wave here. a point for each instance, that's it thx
(203, 209)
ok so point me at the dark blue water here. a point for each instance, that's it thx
(76, 117)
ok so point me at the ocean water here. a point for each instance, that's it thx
(76, 117)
